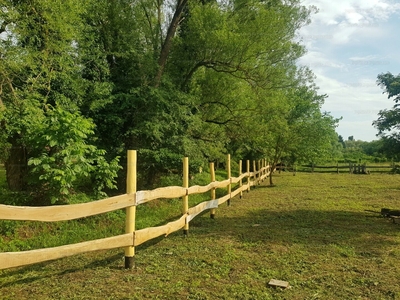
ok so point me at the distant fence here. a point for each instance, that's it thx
(350, 167)
(129, 201)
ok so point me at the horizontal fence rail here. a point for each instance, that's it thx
(351, 167)
(127, 201)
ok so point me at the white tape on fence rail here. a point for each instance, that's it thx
(194, 211)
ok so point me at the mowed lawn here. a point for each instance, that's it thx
(311, 230)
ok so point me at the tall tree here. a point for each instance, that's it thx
(293, 128)
(388, 122)
(43, 88)
(169, 78)
(183, 78)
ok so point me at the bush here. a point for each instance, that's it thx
(64, 157)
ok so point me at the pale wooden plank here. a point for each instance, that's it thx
(223, 199)
(196, 189)
(149, 233)
(199, 208)
(236, 192)
(169, 192)
(265, 176)
(279, 283)
(65, 212)
(194, 211)
(177, 191)
(242, 188)
(222, 184)
(237, 179)
(23, 258)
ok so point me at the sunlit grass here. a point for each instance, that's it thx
(312, 230)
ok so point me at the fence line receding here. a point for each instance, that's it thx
(129, 201)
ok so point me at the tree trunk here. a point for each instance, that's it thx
(270, 174)
(16, 168)
(165, 49)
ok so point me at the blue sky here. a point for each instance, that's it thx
(349, 43)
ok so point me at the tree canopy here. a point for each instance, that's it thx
(82, 82)
(388, 122)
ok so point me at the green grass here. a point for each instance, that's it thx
(311, 230)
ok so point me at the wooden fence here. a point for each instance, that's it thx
(350, 167)
(129, 201)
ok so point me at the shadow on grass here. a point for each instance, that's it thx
(363, 231)
(37, 274)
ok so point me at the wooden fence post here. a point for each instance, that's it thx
(265, 167)
(240, 182)
(255, 174)
(259, 170)
(248, 174)
(185, 199)
(130, 211)
(228, 169)
(212, 172)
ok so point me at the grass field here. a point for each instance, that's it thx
(311, 230)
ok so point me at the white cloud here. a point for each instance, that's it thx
(344, 19)
(353, 17)
(349, 44)
(354, 128)
(354, 11)
(316, 60)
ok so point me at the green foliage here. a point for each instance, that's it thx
(293, 128)
(391, 84)
(4, 145)
(388, 122)
(201, 79)
(356, 150)
(45, 87)
(64, 157)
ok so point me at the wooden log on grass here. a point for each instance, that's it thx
(386, 212)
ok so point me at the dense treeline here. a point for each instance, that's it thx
(352, 150)
(83, 81)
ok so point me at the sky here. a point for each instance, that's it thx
(349, 43)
